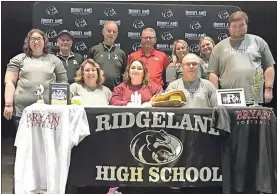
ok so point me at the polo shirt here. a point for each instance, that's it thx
(156, 64)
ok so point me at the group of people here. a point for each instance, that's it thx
(110, 77)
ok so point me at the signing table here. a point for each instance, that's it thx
(233, 148)
(165, 147)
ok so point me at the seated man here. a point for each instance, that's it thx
(200, 93)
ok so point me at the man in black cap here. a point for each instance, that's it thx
(71, 60)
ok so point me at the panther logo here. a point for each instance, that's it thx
(167, 13)
(195, 25)
(166, 36)
(155, 147)
(138, 24)
(136, 46)
(222, 36)
(194, 48)
(223, 14)
(80, 23)
(51, 33)
(109, 12)
(51, 10)
(80, 46)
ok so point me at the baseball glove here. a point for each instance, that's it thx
(175, 98)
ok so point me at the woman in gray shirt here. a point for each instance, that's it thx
(89, 86)
(174, 70)
(206, 47)
(36, 66)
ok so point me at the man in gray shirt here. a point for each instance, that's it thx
(112, 60)
(200, 93)
(234, 60)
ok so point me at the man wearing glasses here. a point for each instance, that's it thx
(71, 60)
(156, 61)
(200, 93)
(234, 60)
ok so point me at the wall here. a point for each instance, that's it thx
(17, 21)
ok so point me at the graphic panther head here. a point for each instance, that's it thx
(155, 147)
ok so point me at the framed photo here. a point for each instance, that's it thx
(59, 93)
(231, 97)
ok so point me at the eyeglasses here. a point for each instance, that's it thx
(188, 64)
(32, 39)
(150, 38)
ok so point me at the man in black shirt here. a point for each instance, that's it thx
(111, 59)
(71, 60)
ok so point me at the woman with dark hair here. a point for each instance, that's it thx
(36, 66)
(135, 80)
(89, 86)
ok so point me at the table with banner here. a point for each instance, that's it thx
(166, 147)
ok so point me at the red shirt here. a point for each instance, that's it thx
(156, 64)
(122, 93)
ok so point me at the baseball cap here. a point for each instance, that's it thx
(65, 32)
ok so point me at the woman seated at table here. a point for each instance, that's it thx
(89, 86)
(135, 79)
(200, 93)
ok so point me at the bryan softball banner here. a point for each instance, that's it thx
(151, 148)
(171, 22)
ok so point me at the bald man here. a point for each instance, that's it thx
(112, 60)
(200, 93)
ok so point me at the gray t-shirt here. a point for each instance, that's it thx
(99, 96)
(175, 72)
(235, 62)
(204, 64)
(33, 71)
(200, 93)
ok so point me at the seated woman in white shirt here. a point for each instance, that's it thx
(200, 93)
(88, 85)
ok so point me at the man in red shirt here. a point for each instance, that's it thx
(156, 61)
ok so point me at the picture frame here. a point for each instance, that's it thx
(231, 97)
(59, 94)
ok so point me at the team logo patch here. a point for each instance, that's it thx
(155, 147)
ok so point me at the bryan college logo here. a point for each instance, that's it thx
(155, 147)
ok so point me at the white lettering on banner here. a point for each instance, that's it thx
(220, 25)
(134, 35)
(102, 22)
(52, 22)
(81, 34)
(53, 45)
(158, 174)
(194, 36)
(139, 12)
(81, 11)
(163, 24)
(155, 120)
(164, 47)
(196, 13)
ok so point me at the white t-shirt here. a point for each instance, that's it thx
(45, 137)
